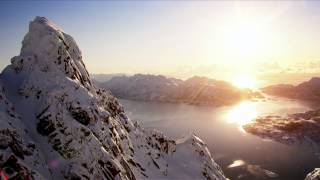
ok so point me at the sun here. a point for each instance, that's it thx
(244, 81)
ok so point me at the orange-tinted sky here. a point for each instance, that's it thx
(181, 38)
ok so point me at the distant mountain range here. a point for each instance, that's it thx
(309, 90)
(195, 90)
(105, 77)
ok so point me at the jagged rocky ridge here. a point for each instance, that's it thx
(195, 90)
(55, 124)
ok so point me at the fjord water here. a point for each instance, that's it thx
(240, 155)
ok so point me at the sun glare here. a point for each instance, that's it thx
(243, 39)
(242, 114)
(244, 81)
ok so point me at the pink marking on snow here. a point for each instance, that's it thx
(3, 175)
(54, 163)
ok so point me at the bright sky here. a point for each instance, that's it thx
(177, 38)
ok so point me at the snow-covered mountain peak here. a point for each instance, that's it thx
(47, 48)
(77, 130)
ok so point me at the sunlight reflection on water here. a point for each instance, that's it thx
(242, 114)
(236, 163)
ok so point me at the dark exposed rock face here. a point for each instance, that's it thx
(81, 116)
(10, 139)
(45, 126)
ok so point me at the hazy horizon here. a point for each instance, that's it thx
(221, 40)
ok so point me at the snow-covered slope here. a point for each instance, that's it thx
(19, 155)
(195, 90)
(55, 124)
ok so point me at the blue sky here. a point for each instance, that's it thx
(82, 19)
(178, 38)
(104, 30)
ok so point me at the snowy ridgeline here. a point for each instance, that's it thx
(55, 124)
(195, 90)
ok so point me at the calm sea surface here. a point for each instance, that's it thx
(241, 155)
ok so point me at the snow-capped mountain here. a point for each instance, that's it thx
(55, 124)
(195, 90)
